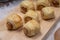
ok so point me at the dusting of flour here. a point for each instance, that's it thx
(5, 9)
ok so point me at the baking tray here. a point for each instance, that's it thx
(45, 26)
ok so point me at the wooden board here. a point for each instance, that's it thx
(19, 35)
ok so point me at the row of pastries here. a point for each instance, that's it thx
(31, 17)
(39, 4)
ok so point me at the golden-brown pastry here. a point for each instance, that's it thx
(47, 13)
(42, 3)
(31, 28)
(57, 35)
(26, 5)
(14, 21)
(54, 2)
(30, 14)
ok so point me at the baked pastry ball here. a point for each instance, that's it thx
(47, 13)
(54, 2)
(57, 35)
(31, 28)
(26, 5)
(14, 21)
(42, 3)
(30, 14)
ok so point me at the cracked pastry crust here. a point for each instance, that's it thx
(31, 15)
(47, 13)
(26, 5)
(14, 21)
(54, 2)
(31, 28)
(42, 3)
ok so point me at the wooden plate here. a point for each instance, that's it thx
(19, 35)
